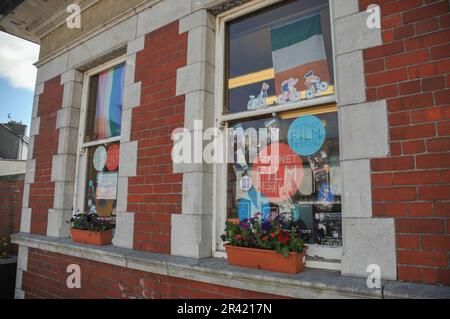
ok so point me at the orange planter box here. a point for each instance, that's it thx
(266, 259)
(93, 238)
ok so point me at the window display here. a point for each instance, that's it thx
(298, 175)
(283, 55)
(279, 56)
(102, 140)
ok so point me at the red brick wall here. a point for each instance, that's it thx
(155, 193)
(11, 192)
(46, 278)
(45, 146)
(411, 70)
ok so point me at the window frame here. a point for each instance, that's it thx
(328, 257)
(82, 147)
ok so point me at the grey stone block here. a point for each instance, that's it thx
(68, 117)
(63, 198)
(197, 19)
(125, 134)
(35, 126)
(199, 105)
(352, 33)
(351, 81)
(57, 223)
(72, 95)
(19, 294)
(34, 112)
(30, 153)
(136, 45)
(197, 193)
(191, 236)
(195, 77)
(71, 76)
(122, 194)
(22, 258)
(201, 45)
(342, 8)
(19, 277)
(39, 89)
(26, 195)
(132, 96)
(63, 168)
(30, 172)
(128, 159)
(68, 140)
(357, 188)
(25, 220)
(52, 68)
(364, 131)
(130, 69)
(369, 241)
(124, 234)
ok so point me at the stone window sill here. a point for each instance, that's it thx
(310, 284)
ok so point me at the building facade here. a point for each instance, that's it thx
(13, 141)
(113, 95)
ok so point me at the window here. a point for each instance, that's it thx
(99, 141)
(278, 73)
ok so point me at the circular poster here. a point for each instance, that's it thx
(277, 172)
(112, 159)
(246, 183)
(306, 135)
(99, 159)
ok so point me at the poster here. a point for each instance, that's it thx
(99, 160)
(306, 135)
(107, 186)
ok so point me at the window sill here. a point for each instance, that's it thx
(310, 284)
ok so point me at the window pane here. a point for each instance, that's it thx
(102, 178)
(279, 55)
(105, 104)
(305, 184)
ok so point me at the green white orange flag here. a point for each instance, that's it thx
(297, 48)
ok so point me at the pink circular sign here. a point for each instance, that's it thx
(277, 172)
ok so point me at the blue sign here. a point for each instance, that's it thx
(251, 203)
(306, 135)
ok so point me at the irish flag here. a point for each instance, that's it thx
(297, 48)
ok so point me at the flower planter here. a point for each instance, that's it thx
(101, 238)
(266, 259)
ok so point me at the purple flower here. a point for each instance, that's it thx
(244, 224)
(266, 226)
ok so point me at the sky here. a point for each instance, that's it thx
(17, 78)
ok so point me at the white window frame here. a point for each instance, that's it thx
(318, 256)
(82, 154)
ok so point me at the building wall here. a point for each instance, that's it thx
(155, 193)
(411, 70)
(11, 193)
(93, 17)
(172, 86)
(9, 144)
(46, 278)
(42, 189)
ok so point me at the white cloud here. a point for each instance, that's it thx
(16, 61)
